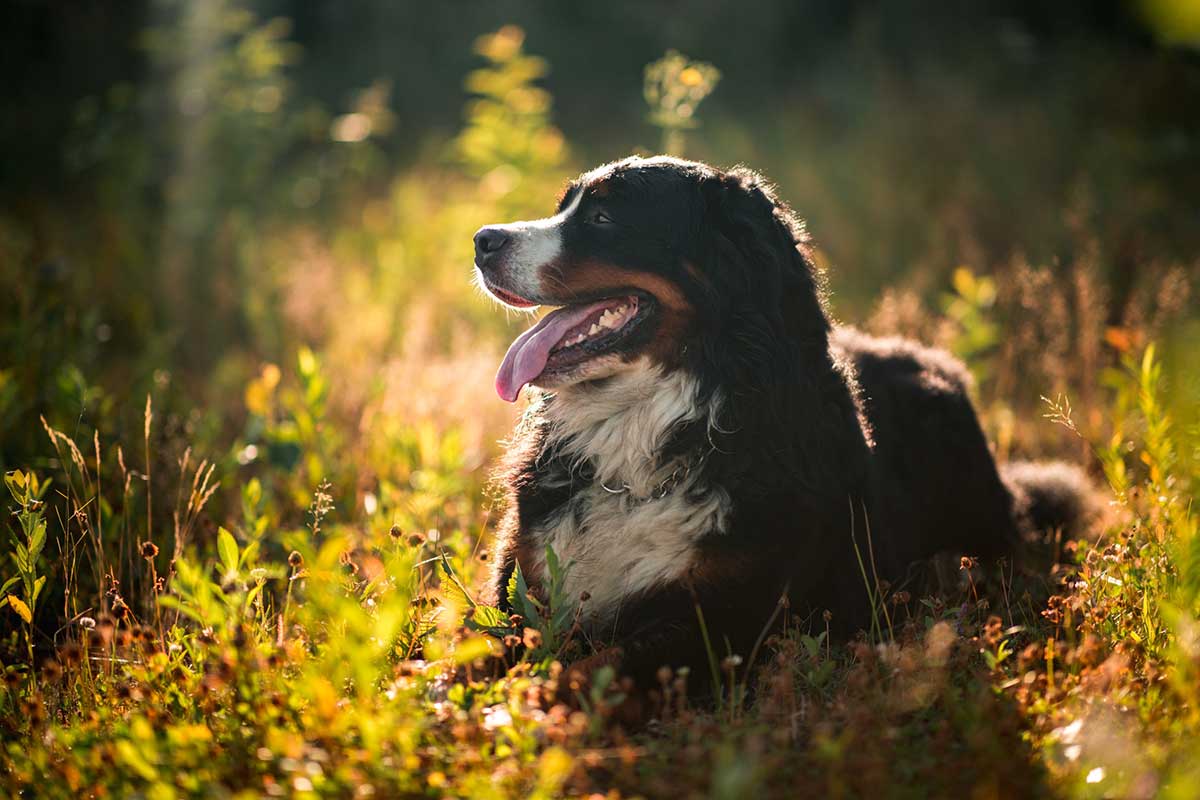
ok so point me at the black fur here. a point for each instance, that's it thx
(842, 453)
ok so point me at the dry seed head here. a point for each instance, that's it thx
(395, 532)
(52, 671)
(69, 654)
(149, 550)
(295, 560)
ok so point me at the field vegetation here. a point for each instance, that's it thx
(246, 428)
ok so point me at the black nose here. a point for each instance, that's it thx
(488, 242)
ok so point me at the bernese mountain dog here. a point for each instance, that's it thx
(704, 447)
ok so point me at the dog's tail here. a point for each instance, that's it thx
(1052, 495)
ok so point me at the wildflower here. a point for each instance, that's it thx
(967, 562)
(395, 532)
(149, 550)
(532, 638)
(295, 560)
(87, 623)
(731, 662)
(415, 539)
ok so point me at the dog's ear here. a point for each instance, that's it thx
(766, 260)
(789, 415)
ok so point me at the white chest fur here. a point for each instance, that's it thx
(619, 539)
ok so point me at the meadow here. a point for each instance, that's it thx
(251, 508)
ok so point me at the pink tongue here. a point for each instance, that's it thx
(527, 355)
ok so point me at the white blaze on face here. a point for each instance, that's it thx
(534, 243)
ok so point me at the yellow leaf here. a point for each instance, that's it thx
(257, 397)
(964, 282)
(18, 605)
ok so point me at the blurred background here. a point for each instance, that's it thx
(259, 214)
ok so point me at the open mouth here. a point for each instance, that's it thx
(568, 337)
(511, 299)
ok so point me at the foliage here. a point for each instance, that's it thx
(674, 87)
(267, 550)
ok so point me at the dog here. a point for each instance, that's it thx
(705, 447)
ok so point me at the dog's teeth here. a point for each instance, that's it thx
(594, 329)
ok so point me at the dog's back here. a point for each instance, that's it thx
(935, 481)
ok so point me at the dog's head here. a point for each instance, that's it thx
(660, 259)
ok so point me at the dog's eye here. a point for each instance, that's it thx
(600, 218)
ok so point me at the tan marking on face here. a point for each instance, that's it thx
(674, 315)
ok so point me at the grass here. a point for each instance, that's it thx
(260, 579)
(346, 656)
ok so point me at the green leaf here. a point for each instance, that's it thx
(552, 566)
(15, 481)
(252, 594)
(472, 648)
(228, 550)
(455, 587)
(37, 590)
(8, 584)
(21, 558)
(36, 541)
(249, 555)
(519, 600)
(132, 758)
(169, 601)
(489, 619)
